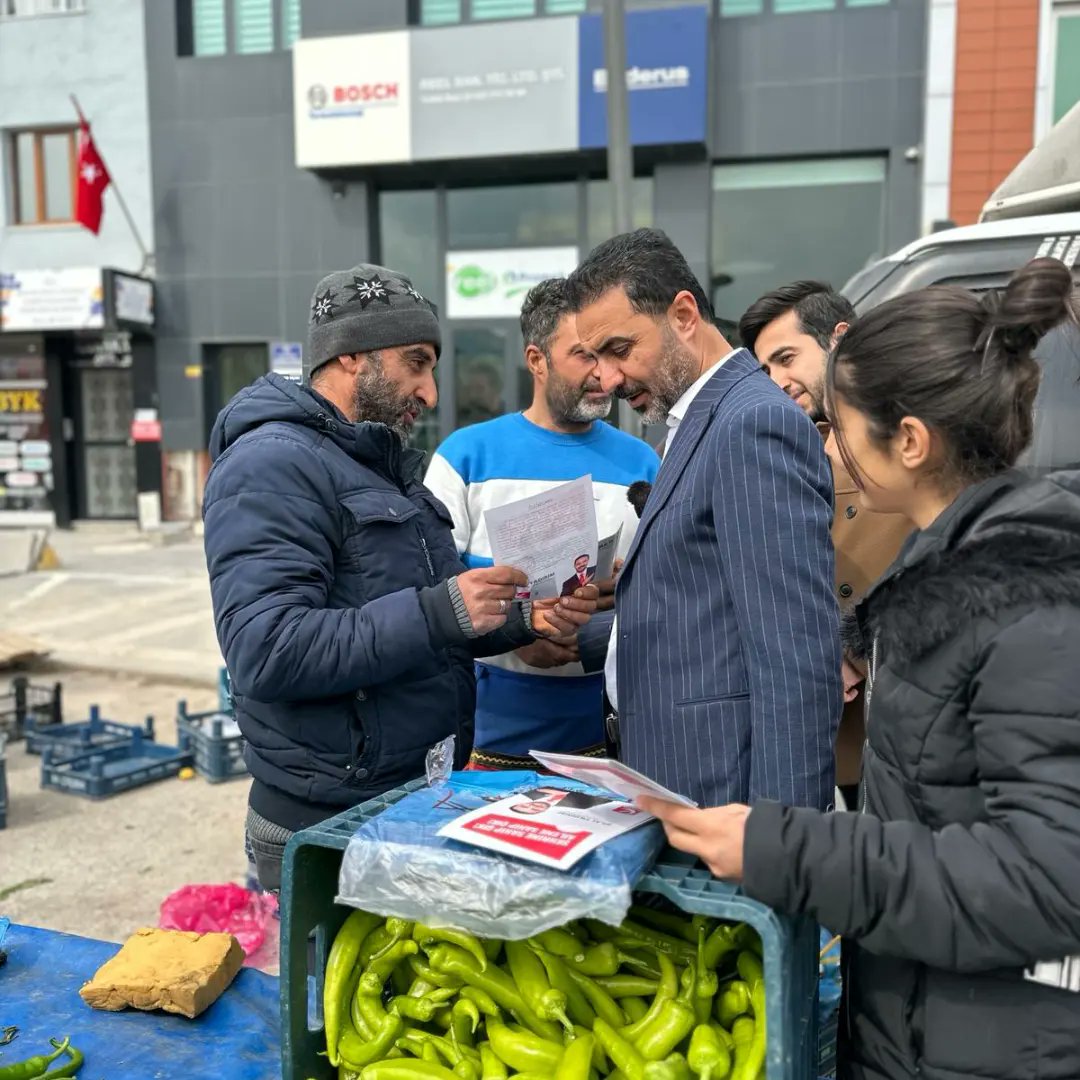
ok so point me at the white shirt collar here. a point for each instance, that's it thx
(682, 406)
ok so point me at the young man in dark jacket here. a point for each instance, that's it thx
(347, 621)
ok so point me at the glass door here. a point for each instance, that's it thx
(487, 360)
(105, 454)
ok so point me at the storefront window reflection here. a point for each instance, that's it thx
(516, 215)
(479, 361)
(775, 222)
(598, 208)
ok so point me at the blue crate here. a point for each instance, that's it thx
(27, 706)
(3, 786)
(310, 919)
(218, 752)
(108, 770)
(92, 734)
(225, 701)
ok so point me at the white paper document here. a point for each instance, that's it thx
(608, 774)
(552, 537)
(547, 825)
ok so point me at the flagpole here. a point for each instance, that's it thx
(146, 256)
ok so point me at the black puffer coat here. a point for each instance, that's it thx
(957, 888)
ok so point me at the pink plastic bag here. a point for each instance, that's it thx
(249, 916)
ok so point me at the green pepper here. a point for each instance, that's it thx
(522, 1050)
(733, 1003)
(339, 968)
(378, 971)
(598, 1059)
(602, 1003)
(487, 1005)
(602, 959)
(421, 1009)
(718, 944)
(636, 959)
(375, 944)
(673, 1067)
(636, 935)
(464, 1020)
(358, 1052)
(577, 1059)
(531, 978)
(492, 948)
(706, 984)
(69, 1069)
(370, 1008)
(666, 991)
(748, 1049)
(634, 1007)
(624, 1055)
(466, 1070)
(33, 1067)
(491, 1067)
(749, 965)
(401, 980)
(624, 986)
(723, 1035)
(430, 975)
(746, 937)
(708, 1057)
(405, 1069)
(577, 1004)
(675, 1022)
(428, 935)
(450, 960)
(559, 942)
(675, 925)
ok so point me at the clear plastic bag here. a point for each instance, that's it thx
(250, 917)
(395, 864)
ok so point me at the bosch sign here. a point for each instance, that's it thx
(350, 99)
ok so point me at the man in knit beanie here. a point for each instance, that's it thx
(347, 621)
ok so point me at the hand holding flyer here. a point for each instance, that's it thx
(552, 537)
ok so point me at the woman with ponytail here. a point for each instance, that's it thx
(957, 886)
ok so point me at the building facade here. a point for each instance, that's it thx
(76, 318)
(461, 141)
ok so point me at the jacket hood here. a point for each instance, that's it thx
(1008, 543)
(274, 399)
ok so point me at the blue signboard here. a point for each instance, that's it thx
(667, 74)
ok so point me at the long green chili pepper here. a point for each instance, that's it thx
(598, 1059)
(33, 1067)
(706, 984)
(491, 1067)
(357, 1052)
(370, 1008)
(375, 944)
(70, 1068)
(339, 968)
(358, 1022)
(577, 1059)
(401, 980)
(436, 978)
(634, 958)
(668, 988)
(745, 1034)
(378, 971)
(430, 1053)
(746, 937)
(675, 1022)
(635, 935)
(723, 1035)
(603, 1004)
(560, 942)
(601, 931)
(733, 1003)
(451, 960)
(522, 1050)
(577, 1004)
(428, 935)
(624, 1055)
(634, 1007)
(406, 1069)
(532, 980)
(749, 965)
(464, 1020)
(466, 1070)
(673, 1067)
(676, 925)
(708, 1057)
(492, 948)
(421, 1009)
(602, 959)
(482, 1000)
(718, 944)
(624, 986)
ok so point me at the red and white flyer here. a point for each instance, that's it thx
(608, 774)
(547, 825)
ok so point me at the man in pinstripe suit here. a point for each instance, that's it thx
(726, 645)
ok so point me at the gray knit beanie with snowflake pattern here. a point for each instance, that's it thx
(367, 308)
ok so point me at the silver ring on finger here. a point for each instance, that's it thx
(503, 605)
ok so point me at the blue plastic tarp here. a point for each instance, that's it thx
(237, 1037)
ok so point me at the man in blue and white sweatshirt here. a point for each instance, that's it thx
(539, 696)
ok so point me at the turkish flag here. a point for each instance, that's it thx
(93, 179)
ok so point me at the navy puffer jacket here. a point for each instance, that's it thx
(328, 560)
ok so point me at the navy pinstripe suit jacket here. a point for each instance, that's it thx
(729, 652)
